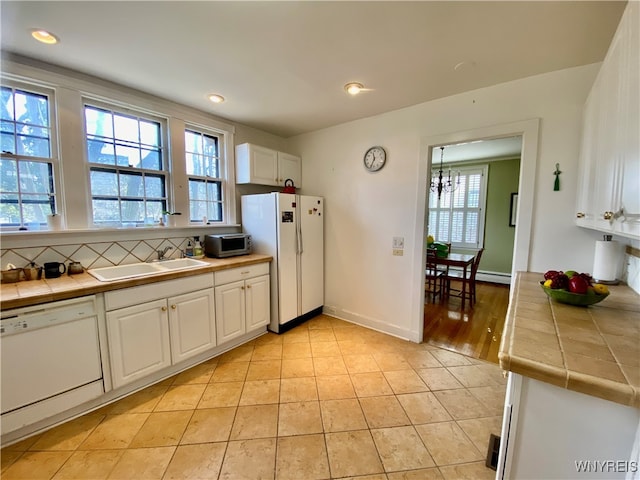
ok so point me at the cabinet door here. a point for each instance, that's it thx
(258, 309)
(256, 164)
(230, 311)
(289, 166)
(138, 341)
(191, 324)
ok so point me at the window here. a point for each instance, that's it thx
(458, 217)
(27, 192)
(128, 177)
(205, 178)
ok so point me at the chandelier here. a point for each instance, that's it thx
(444, 186)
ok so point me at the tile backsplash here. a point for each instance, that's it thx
(95, 254)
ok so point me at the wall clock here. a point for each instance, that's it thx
(375, 158)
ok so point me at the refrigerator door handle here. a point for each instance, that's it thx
(299, 237)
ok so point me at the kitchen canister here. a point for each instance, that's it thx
(607, 261)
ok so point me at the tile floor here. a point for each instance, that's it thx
(326, 400)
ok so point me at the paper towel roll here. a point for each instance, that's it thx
(606, 261)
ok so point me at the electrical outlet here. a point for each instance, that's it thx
(398, 242)
(398, 252)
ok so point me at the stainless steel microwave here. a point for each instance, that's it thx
(227, 245)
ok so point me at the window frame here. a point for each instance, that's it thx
(222, 177)
(434, 227)
(55, 199)
(165, 172)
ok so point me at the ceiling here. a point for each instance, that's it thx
(282, 66)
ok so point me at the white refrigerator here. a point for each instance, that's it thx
(289, 228)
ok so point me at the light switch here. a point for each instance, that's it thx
(398, 243)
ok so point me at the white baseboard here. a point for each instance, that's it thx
(371, 323)
(494, 277)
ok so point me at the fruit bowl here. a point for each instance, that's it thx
(582, 300)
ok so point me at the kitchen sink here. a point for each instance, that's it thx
(120, 272)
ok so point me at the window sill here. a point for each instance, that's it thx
(110, 230)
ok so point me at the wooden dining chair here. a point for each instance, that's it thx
(470, 280)
(433, 277)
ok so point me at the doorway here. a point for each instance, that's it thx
(528, 130)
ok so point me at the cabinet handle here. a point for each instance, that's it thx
(242, 288)
(245, 272)
(173, 307)
(608, 215)
(580, 215)
(248, 286)
(164, 309)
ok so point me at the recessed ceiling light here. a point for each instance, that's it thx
(44, 37)
(353, 88)
(215, 98)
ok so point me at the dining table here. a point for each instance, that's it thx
(460, 260)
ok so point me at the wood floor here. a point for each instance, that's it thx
(475, 332)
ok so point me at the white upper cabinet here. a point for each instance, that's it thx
(609, 184)
(264, 166)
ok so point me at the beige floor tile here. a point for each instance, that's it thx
(355, 347)
(447, 443)
(438, 378)
(377, 476)
(268, 338)
(299, 418)
(93, 464)
(422, 474)
(298, 389)
(115, 431)
(162, 429)
(296, 350)
(423, 407)
(249, 459)
(383, 412)
(297, 367)
(142, 463)
(495, 372)
(221, 395)
(255, 421)
(242, 354)
(143, 401)
(198, 374)
(7, 458)
(68, 436)
(479, 430)
(468, 471)
(209, 425)
(181, 397)
(471, 376)
(450, 359)
(264, 370)
(350, 333)
(389, 362)
(352, 453)
(256, 392)
(302, 457)
(320, 322)
(36, 465)
(360, 363)
(405, 381)
(22, 445)
(230, 372)
(461, 404)
(491, 397)
(334, 387)
(329, 366)
(297, 335)
(400, 448)
(202, 461)
(422, 359)
(321, 335)
(370, 384)
(342, 415)
(325, 349)
(267, 352)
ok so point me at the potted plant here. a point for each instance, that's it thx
(170, 218)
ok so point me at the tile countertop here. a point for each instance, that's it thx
(594, 350)
(33, 292)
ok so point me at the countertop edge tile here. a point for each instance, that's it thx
(601, 387)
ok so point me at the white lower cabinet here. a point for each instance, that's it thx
(154, 326)
(242, 300)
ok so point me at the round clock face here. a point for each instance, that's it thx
(375, 158)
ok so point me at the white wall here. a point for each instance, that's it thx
(363, 281)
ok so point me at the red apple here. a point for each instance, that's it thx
(578, 284)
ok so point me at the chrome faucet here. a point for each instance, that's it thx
(163, 252)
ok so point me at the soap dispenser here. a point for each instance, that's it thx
(197, 247)
(188, 251)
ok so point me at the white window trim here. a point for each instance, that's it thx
(482, 201)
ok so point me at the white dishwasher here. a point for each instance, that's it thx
(50, 360)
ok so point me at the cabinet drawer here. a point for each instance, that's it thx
(154, 291)
(241, 273)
